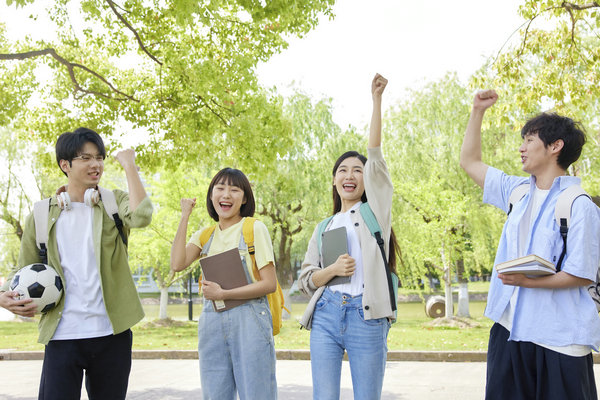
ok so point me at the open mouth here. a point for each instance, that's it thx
(225, 206)
(349, 187)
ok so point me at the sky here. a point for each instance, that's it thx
(408, 42)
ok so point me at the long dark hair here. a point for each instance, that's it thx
(337, 207)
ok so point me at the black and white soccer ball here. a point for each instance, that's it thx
(39, 282)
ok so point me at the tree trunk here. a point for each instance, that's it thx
(448, 284)
(164, 301)
(463, 290)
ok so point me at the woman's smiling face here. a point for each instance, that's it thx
(227, 200)
(348, 181)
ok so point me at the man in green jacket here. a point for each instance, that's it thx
(89, 329)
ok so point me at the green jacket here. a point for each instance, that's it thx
(118, 289)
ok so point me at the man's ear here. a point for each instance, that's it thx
(557, 146)
(65, 166)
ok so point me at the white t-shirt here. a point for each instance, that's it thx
(84, 315)
(356, 285)
(537, 199)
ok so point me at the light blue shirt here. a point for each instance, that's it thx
(554, 317)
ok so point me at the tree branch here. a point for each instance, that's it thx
(71, 69)
(112, 6)
(212, 110)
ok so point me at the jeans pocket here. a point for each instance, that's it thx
(321, 303)
(262, 315)
(374, 322)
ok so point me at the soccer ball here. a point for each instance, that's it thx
(39, 282)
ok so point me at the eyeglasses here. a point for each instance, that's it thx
(87, 158)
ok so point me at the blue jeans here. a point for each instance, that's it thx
(338, 324)
(237, 352)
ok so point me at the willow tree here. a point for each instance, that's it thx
(441, 224)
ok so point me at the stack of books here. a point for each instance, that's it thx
(528, 265)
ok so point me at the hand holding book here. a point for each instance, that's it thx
(529, 265)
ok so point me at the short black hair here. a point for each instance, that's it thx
(551, 127)
(69, 144)
(233, 177)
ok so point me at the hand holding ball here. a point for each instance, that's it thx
(40, 283)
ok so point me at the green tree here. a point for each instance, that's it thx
(438, 215)
(552, 63)
(291, 195)
(150, 248)
(180, 72)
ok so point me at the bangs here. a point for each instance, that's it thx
(231, 177)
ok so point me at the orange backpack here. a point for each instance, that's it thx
(276, 302)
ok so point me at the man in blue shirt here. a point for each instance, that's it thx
(545, 327)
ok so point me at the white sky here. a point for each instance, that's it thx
(408, 42)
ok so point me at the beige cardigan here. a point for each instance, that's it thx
(376, 301)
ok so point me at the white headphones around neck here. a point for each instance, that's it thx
(91, 197)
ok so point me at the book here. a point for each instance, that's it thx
(333, 244)
(227, 270)
(528, 265)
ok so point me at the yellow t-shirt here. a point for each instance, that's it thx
(229, 238)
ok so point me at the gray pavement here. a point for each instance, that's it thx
(179, 380)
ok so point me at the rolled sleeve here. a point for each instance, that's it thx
(498, 186)
(138, 218)
(263, 245)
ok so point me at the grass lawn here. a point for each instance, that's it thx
(413, 331)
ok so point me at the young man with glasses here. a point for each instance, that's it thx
(89, 329)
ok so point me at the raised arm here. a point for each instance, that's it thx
(377, 87)
(470, 152)
(136, 190)
(183, 255)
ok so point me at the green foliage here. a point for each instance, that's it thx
(150, 248)
(179, 72)
(553, 64)
(438, 214)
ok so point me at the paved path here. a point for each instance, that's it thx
(179, 380)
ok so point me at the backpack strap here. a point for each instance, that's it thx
(321, 230)
(369, 217)
(111, 208)
(562, 215)
(516, 195)
(206, 237)
(248, 240)
(41, 210)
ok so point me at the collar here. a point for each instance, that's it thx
(562, 182)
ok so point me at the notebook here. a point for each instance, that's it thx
(334, 243)
(227, 270)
